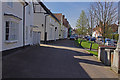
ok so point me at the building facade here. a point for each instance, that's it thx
(46, 21)
(1, 26)
(12, 25)
(28, 23)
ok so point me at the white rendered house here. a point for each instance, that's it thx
(12, 25)
(32, 32)
(46, 22)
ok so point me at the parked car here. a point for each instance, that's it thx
(93, 39)
(109, 42)
(72, 37)
(76, 36)
(88, 38)
(107, 39)
(100, 40)
(114, 41)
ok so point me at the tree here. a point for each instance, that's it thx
(82, 24)
(105, 14)
(91, 19)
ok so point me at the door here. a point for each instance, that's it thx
(36, 37)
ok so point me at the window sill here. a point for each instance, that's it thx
(14, 41)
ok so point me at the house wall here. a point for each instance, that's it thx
(39, 20)
(61, 28)
(0, 25)
(65, 32)
(28, 23)
(17, 10)
(57, 30)
(50, 28)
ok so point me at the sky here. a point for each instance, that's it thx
(71, 10)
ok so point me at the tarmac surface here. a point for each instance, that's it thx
(60, 59)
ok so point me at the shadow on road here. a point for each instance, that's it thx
(42, 62)
(50, 61)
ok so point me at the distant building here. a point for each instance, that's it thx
(97, 31)
(28, 23)
(48, 24)
(63, 33)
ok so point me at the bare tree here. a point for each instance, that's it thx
(105, 14)
(91, 19)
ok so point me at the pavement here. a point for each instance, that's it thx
(60, 59)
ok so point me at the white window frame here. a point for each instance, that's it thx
(13, 31)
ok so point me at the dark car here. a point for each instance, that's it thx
(88, 38)
(72, 37)
(93, 39)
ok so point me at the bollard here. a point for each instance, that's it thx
(91, 46)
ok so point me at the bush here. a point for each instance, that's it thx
(116, 36)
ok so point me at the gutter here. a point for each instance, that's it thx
(24, 23)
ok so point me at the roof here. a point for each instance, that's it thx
(48, 11)
(58, 16)
(12, 15)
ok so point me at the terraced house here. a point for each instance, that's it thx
(28, 23)
(49, 25)
(64, 27)
(12, 25)
(17, 25)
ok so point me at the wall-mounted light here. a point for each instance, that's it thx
(42, 25)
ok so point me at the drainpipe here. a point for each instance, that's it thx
(24, 23)
(45, 35)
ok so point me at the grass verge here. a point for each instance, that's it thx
(86, 44)
(93, 52)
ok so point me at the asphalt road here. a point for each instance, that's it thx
(51, 62)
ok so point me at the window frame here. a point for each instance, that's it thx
(10, 33)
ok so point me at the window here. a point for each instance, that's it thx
(11, 30)
(10, 3)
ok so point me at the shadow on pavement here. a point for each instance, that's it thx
(47, 61)
(42, 62)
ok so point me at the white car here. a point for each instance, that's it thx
(109, 43)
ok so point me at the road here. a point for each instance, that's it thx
(58, 59)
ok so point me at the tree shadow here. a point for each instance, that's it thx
(90, 62)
